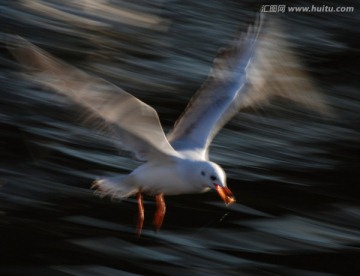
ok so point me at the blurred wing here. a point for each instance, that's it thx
(200, 121)
(275, 70)
(135, 124)
(258, 66)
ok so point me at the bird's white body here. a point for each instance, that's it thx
(170, 176)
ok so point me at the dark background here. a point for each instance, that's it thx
(295, 173)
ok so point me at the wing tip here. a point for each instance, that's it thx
(242, 43)
(17, 44)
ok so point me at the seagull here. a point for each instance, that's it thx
(173, 164)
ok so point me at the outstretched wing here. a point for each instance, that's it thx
(257, 66)
(135, 124)
(226, 83)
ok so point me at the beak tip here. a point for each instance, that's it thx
(225, 194)
(231, 200)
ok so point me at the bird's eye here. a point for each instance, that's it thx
(202, 173)
(213, 178)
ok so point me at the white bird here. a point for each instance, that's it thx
(174, 164)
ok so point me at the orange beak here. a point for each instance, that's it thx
(225, 194)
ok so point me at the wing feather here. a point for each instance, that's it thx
(135, 124)
(197, 125)
(256, 67)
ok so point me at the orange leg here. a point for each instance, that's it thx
(141, 214)
(160, 211)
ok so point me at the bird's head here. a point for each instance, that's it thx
(213, 176)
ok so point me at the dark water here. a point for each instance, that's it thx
(295, 173)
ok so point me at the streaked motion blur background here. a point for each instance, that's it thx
(295, 173)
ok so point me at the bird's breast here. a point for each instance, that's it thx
(167, 179)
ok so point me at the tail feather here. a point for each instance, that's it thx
(117, 187)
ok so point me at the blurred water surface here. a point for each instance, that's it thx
(295, 173)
